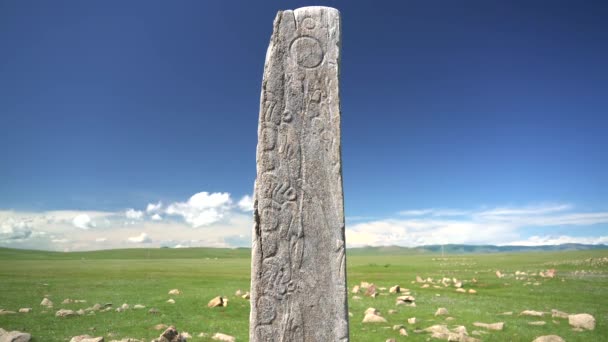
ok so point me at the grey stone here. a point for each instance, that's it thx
(298, 290)
(14, 336)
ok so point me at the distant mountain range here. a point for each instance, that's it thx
(243, 252)
(460, 249)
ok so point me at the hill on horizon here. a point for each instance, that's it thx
(245, 252)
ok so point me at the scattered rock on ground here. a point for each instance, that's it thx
(238, 293)
(46, 302)
(549, 338)
(442, 332)
(246, 295)
(139, 306)
(582, 321)
(170, 335)
(371, 291)
(490, 326)
(153, 311)
(412, 320)
(373, 316)
(14, 336)
(356, 289)
(395, 289)
(223, 337)
(6, 312)
(438, 328)
(532, 313)
(216, 302)
(86, 338)
(25, 310)
(406, 300)
(171, 301)
(441, 311)
(472, 291)
(175, 292)
(65, 313)
(403, 332)
(558, 314)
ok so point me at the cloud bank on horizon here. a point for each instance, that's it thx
(215, 220)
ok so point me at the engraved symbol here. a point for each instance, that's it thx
(309, 23)
(266, 311)
(307, 51)
(269, 137)
(287, 116)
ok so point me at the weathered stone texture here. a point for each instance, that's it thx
(298, 290)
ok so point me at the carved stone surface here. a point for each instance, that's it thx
(298, 278)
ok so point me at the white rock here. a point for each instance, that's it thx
(86, 338)
(532, 313)
(46, 302)
(223, 337)
(583, 321)
(65, 313)
(441, 311)
(373, 318)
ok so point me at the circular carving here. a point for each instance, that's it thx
(309, 23)
(307, 51)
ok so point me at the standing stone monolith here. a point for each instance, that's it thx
(298, 277)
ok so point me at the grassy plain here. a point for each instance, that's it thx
(144, 276)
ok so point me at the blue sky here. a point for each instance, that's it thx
(462, 122)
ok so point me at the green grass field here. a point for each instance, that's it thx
(144, 276)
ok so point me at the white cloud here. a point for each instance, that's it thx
(154, 208)
(60, 240)
(419, 232)
(12, 230)
(558, 240)
(141, 238)
(83, 221)
(504, 212)
(36, 230)
(134, 214)
(202, 209)
(501, 225)
(246, 203)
